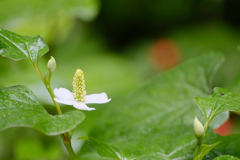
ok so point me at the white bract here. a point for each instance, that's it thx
(64, 96)
(78, 98)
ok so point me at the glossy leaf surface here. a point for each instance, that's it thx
(20, 108)
(104, 149)
(157, 119)
(19, 47)
(219, 101)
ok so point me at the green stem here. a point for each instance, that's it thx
(52, 96)
(197, 149)
(205, 130)
(47, 84)
(70, 150)
(38, 71)
(49, 76)
(65, 136)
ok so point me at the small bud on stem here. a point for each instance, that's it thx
(51, 64)
(198, 128)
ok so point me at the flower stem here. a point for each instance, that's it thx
(197, 149)
(47, 84)
(52, 96)
(65, 136)
(69, 149)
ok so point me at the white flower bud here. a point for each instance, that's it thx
(198, 128)
(51, 64)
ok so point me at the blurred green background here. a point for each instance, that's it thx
(119, 45)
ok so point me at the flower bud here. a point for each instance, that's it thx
(198, 128)
(51, 64)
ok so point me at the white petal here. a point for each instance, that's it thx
(65, 101)
(82, 106)
(63, 93)
(97, 98)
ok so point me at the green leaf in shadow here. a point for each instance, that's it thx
(229, 146)
(19, 108)
(19, 47)
(205, 149)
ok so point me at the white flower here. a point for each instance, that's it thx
(64, 96)
(78, 98)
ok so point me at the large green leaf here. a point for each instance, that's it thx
(154, 156)
(20, 108)
(19, 47)
(226, 157)
(157, 119)
(219, 101)
(104, 149)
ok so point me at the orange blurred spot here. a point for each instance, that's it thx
(165, 53)
(225, 129)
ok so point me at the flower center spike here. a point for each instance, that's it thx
(79, 86)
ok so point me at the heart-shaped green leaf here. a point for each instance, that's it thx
(19, 47)
(157, 119)
(19, 108)
(219, 101)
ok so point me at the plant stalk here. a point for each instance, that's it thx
(65, 136)
(47, 84)
(52, 96)
(69, 148)
(199, 142)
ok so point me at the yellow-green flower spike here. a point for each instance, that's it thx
(79, 86)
